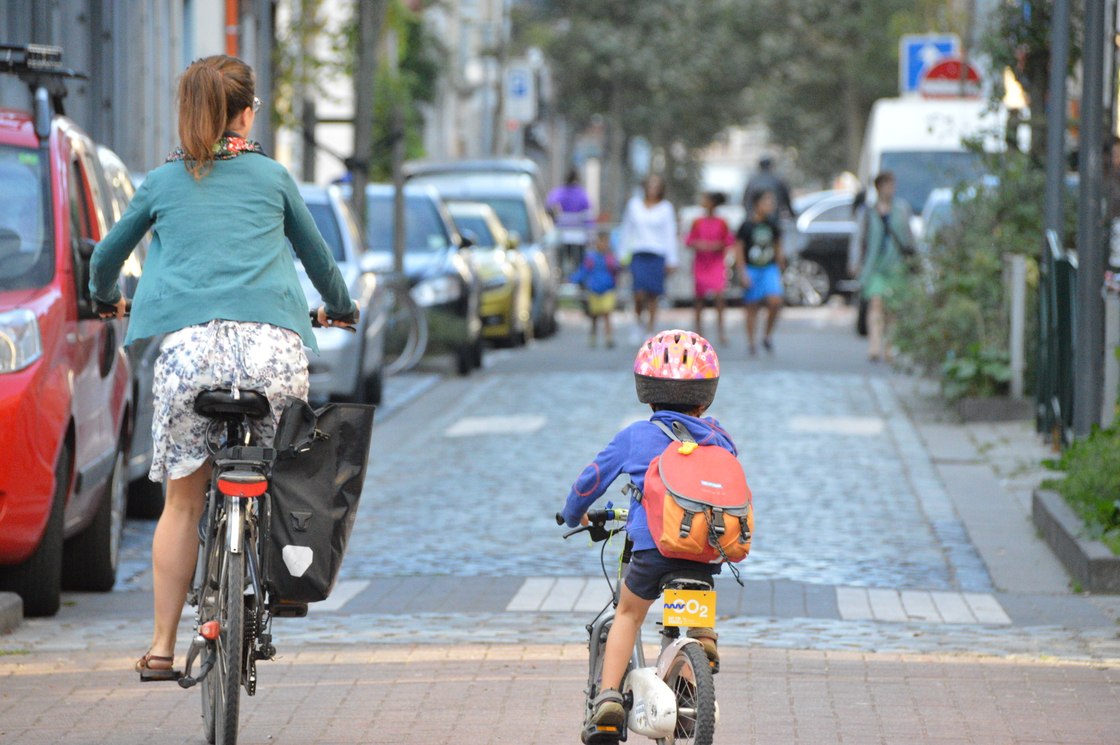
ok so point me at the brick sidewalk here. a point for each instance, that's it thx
(531, 694)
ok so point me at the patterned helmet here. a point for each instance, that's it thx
(676, 367)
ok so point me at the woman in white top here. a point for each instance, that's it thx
(649, 231)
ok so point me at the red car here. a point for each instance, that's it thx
(65, 393)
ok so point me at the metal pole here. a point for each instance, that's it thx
(1053, 213)
(370, 18)
(1088, 349)
(1017, 277)
(397, 136)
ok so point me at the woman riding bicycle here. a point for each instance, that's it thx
(220, 282)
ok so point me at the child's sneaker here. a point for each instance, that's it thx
(607, 709)
(707, 638)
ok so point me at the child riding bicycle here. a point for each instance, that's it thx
(676, 372)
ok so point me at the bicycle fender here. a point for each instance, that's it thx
(654, 711)
(667, 655)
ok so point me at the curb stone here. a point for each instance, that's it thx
(1090, 562)
(11, 612)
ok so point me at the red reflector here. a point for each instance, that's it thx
(235, 489)
(209, 630)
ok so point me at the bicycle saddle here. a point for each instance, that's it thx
(686, 577)
(221, 402)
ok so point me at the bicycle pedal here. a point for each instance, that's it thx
(601, 735)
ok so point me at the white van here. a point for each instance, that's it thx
(920, 141)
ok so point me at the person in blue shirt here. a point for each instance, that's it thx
(676, 372)
(596, 275)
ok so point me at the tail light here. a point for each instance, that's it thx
(242, 484)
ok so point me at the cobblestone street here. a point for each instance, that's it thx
(876, 607)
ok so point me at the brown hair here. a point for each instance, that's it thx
(655, 178)
(883, 177)
(212, 91)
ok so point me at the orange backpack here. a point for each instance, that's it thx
(697, 501)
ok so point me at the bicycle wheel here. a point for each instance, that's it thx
(406, 330)
(208, 596)
(690, 677)
(229, 646)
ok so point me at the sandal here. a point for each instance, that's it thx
(607, 709)
(149, 673)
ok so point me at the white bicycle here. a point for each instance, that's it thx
(673, 701)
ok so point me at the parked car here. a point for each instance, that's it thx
(145, 497)
(507, 280)
(817, 251)
(349, 365)
(438, 267)
(510, 190)
(65, 386)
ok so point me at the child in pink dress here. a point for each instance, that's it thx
(710, 238)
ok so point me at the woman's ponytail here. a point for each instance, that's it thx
(211, 92)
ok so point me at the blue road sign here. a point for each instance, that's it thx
(919, 52)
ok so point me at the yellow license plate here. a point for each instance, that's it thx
(694, 608)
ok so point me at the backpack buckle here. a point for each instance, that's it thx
(686, 524)
(718, 524)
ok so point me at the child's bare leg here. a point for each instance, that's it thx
(607, 333)
(624, 631)
(752, 317)
(773, 308)
(719, 318)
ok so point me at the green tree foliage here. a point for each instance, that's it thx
(672, 71)
(1019, 39)
(951, 316)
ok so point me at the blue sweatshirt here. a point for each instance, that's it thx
(631, 452)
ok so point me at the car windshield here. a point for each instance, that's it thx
(424, 229)
(919, 173)
(26, 260)
(327, 223)
(477, 225)
(514, 215)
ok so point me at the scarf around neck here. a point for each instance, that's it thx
(227, 148)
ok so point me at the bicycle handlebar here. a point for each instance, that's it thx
(596, 522)
(352, 318)
(99, 308)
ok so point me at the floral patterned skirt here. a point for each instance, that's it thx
(219, 354)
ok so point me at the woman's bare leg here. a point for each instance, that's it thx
(719, 319)
(875, 327)
(174, 552)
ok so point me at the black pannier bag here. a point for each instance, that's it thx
(316, 483)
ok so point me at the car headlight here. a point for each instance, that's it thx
(437, 291)
(20, 340)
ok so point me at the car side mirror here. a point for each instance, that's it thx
(514, 239)
(467, 238)
(86, 247)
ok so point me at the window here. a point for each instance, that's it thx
(424, 228)
(26, 248)
(837, 213)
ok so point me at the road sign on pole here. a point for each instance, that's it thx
(918, 53)
(521, 93)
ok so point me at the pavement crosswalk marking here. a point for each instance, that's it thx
(876, 604)
(533, 590)
(342, 594)
(518, 424)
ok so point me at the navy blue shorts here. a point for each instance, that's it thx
(647, 270)
(648, 566)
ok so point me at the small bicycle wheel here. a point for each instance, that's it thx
(405, 330)
(229, 646)
(690, 678)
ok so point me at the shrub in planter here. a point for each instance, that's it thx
(1092, 484)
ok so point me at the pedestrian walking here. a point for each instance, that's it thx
(220, 282)
(571, 209)
(709, 238)
(887, 240)
(596, 278)
(649, 234)
(767, 179)
(760, 262)
(676, 372)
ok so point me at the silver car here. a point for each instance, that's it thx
(349, 365)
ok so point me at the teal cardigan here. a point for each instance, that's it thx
(218, 250)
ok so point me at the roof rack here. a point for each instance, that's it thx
(40, 67)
